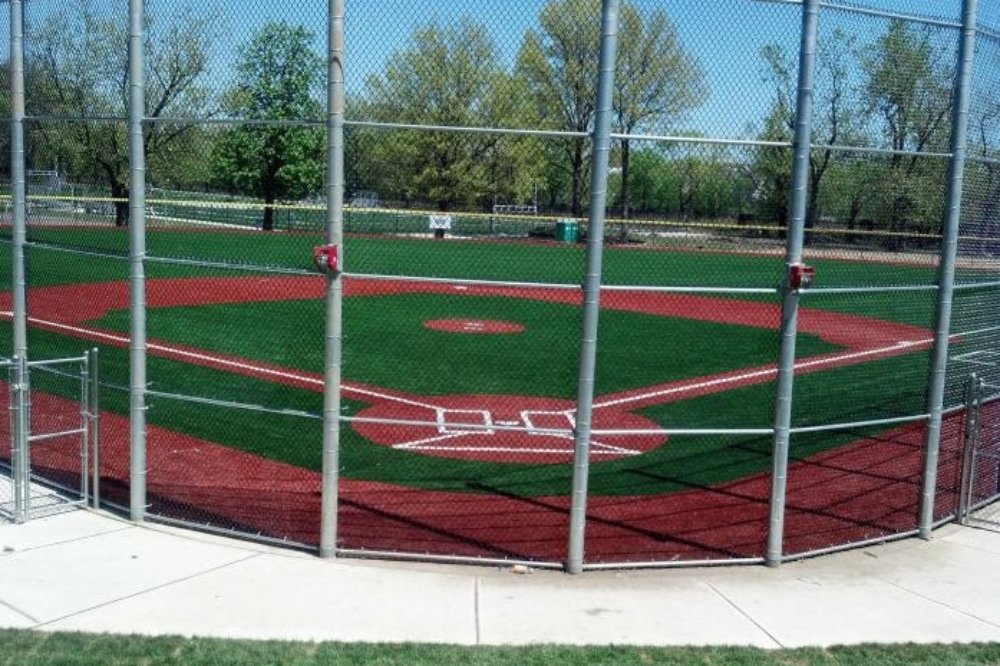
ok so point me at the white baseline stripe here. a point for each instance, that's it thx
(766, 372)
(598, 405)
(226, 362)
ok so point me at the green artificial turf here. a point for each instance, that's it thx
(473, 259)
(686, 462)
(476, 259)
(387, 344)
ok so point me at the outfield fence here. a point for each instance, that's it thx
(617, 283)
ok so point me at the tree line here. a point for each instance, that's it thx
(893, 91)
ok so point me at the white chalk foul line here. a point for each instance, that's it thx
(721, 381)
(256, 369)
(757, 374)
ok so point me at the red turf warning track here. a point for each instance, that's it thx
(828, 494)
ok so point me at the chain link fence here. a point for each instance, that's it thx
(444, 394)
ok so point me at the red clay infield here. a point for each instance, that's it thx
(834, 497)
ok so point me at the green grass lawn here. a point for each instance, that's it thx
(29, 648)
(687, 462)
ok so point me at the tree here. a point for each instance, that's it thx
(836, 115)
(81, 72)
(908, 85)
(982, 175)
(558, 65)
(447, 76)
(655, 80)
(771, 169)
(279, 76)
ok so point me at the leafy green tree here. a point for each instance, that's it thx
(908, 85)
(982, 176)
(655, 185)
(771, 170)
(712, 186)
(558, 64)
(80, 65)
(837, 116)
(279, 79)
(656, 80)
(447, 76)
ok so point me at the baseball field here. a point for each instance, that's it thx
(459, 383)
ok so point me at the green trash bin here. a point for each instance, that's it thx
(568, 231)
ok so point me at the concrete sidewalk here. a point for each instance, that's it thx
(84, 571)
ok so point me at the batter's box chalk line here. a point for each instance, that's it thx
(454, 426)
(453, 437)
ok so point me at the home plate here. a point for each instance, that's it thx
(464, 427)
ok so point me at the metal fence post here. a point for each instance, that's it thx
(137, 261)
(334, 281)
(94, 412)
(592, 284)
(946, 271)
(17, 175)
(972, 394)
(19, 440)
(790, 305)
(85, 386)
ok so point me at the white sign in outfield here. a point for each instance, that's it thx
(440, 221)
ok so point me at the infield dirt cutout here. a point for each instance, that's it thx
(502, 428)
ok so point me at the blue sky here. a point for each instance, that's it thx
(725, 36)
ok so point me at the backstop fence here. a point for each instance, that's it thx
(577, 283)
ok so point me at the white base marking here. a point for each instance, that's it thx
(765, 372)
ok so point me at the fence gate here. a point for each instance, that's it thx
(53, 437)
(981, 456)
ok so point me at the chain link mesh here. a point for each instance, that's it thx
(467, 188)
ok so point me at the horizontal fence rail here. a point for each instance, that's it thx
(558, 284)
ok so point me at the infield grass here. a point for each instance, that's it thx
(387, 344)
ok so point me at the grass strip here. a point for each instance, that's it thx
(29, 648)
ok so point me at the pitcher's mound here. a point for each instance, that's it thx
(477, 326)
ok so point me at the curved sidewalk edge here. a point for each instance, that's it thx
(85, 571)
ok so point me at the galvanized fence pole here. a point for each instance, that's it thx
(972, 393)
(137, 261)
(334, 281)
(19, 440)
(17, 175)
(946, 271)
(592, 284)
(793, 257)
(94, 413)
(85, 386)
